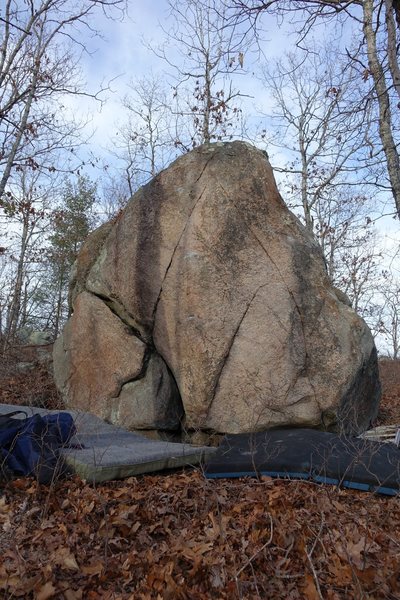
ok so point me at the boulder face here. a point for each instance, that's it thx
(207, 306)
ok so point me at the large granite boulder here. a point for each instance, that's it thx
(209, 285)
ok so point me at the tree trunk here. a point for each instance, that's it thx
(392, 46)
(59, 302)
(15, 307)
(385, 116)
(304, 179)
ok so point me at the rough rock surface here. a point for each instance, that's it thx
(91, 380)
(208, 270)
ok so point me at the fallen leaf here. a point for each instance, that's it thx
(92, 595)
(72, 594)
(92, 569)
(355, 549)
(310, 589)
(65, 559)
(45, 591)
(196, 550)
(8, 582)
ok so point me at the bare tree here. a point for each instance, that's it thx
(114, 195)
(358, 271)
(210, 53)
(26, 214)
(39, 64)
(144, 140)
(390, 318)
(378, 25)
(318, 128)
(322, 137)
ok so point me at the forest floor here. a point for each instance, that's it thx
(177, 535)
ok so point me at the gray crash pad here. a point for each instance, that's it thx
(101, 452)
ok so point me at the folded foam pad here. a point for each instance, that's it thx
(309, 454)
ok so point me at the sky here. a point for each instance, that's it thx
(122, 56)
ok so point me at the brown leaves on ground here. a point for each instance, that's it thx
(178, 536)
(32, 387)
(389, 412)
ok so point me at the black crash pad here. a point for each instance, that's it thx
(309, 454)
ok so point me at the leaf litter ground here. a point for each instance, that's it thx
(180, 536)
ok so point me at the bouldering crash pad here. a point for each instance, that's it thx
(309, 454)
(101, 452)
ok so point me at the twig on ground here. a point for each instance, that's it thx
(309, 554)
(250, 560)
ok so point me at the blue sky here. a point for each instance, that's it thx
(121, 56)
